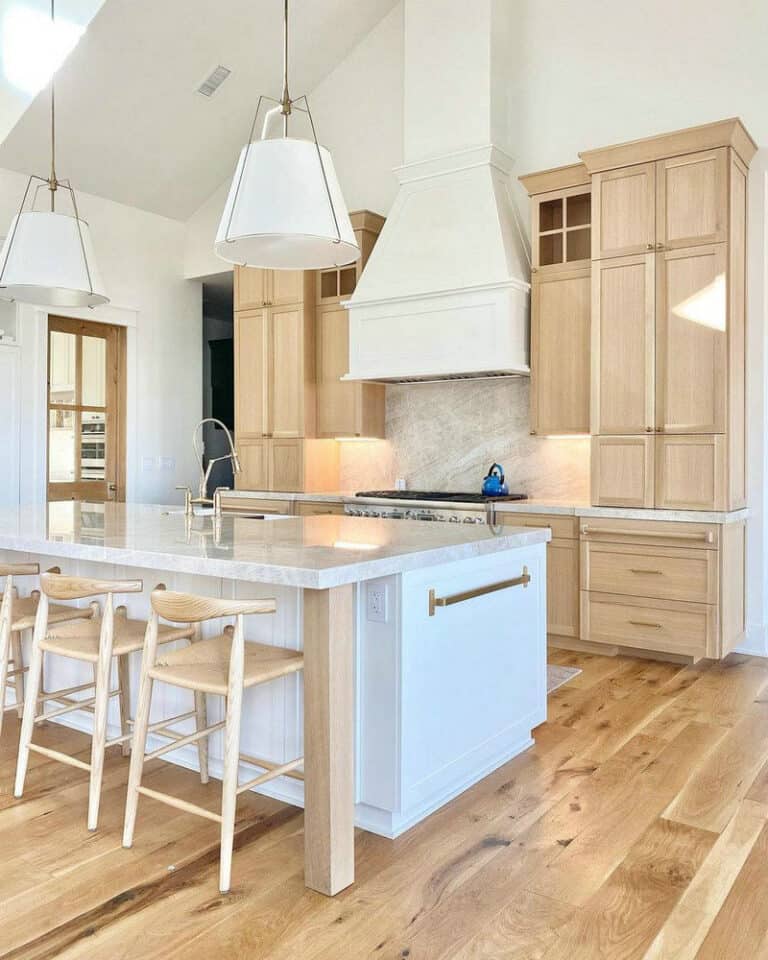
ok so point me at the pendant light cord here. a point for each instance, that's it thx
(52, 183)
(285, 102)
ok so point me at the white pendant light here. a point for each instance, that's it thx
(47, 257)
(285, 210)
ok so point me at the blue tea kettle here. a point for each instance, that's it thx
(493, 484)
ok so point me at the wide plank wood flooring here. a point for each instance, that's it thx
(635, 829)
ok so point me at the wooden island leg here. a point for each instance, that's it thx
(329, 739)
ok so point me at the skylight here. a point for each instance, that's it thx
(34, 47)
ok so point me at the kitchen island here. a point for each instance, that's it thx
(424, 646)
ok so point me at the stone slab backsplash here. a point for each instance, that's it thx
(443, 436)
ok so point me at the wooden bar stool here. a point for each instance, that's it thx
(17, 614)
(94, 641)
(224, 665)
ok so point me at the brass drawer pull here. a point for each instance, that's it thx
(645, 623)
(656, 572)
(523, 580)
(705, 537)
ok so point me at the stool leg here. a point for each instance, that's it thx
(5, 649)
(140, 732)
(231, 754)
(124, 683)
(31, 694)
(201, 721)
(201, 711)
(100, 714)
(18, 666)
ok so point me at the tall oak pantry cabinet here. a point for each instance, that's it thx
(668, 318)
(638, 338)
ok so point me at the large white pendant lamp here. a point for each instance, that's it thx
(47, 257)
(285, 210)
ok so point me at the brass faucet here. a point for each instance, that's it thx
(191, 502)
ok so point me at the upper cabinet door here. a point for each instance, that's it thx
(284, 287)
(623, 345)
(691, 340)
(692, 199)
(251, 341)
(286, 372)
(250, 288)
(561, 237)
(560, 350)
(624, 211)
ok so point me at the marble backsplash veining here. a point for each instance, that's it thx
(444, 436)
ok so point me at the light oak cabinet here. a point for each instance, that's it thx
(692, 340)
(345, 409)
(667, 587)
(562, 570)
(319, 508)
(623, 471)
(623, 345)
(255, 287)
(668, 347)
(289, 466)
(275, 371)
(560, 300)
(624, 205)
(678, 201)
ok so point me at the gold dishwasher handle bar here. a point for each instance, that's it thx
(523, 580)
(705, 537)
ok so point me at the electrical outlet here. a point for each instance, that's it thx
(376, 602)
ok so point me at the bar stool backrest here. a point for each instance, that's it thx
(190, 608)
(62, 587)
(19, 569)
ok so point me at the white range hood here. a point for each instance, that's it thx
(445, 292)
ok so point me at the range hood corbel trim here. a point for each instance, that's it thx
(485, 156)
(513, 283)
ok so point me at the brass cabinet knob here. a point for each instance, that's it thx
(660, 246)
(649, 246)
(649, 429)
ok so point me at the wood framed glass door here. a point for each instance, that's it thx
(86, 417)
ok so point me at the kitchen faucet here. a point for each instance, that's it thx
(205, 472)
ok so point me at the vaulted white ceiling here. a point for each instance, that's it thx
(131, 126)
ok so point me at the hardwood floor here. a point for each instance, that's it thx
(637, 827)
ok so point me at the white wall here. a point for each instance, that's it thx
(141, 260)
(358, 113)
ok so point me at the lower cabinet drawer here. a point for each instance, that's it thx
(668, 626)
(249, 505)
(317, 508)
(663, 573)
(563, 528)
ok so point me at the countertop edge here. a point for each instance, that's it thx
(281, 575)
(554, 507)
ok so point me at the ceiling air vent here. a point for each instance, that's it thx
(213, 81)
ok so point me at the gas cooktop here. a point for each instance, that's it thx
(438, 495)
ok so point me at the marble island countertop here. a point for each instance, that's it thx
(570, 508)
(313, 552)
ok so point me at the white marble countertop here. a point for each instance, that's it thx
(569, 508)
(313, 552)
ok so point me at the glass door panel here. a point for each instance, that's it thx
(85, 427)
